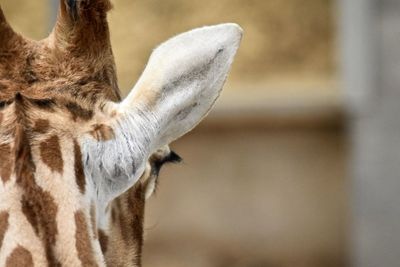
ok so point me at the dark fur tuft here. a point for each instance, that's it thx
(73, 10)
(171, 158)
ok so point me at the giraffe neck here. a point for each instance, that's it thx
(45, 200)
(49, 213)
(48, 208)
(122, 239)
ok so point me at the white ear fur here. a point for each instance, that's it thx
(180, 84)
(183, 79)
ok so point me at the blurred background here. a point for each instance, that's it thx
(264, 180)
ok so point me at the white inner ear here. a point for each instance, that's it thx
(180, 84)
(183, 79)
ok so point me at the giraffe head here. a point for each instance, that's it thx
(76, 161)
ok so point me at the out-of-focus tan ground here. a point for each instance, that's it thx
(263, 181)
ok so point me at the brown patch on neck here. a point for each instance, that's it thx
(103, 239)
(82, 239)
(3, 226)
(41, 126)
(40, 210)
(79, 172)
(5, 162)
(50, 152)
(136, 203)
(79, 112)
(126, 229)
(102, 132)
(28, 210)
(93, 220)
(37, 205)
(20, 257)
(113, 215)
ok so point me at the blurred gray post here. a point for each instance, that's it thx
(370, 41)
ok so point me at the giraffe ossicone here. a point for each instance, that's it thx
(76, 161)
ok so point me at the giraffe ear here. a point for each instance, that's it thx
(182, 81)
(180, 84)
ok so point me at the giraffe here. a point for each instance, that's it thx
(77, 162)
